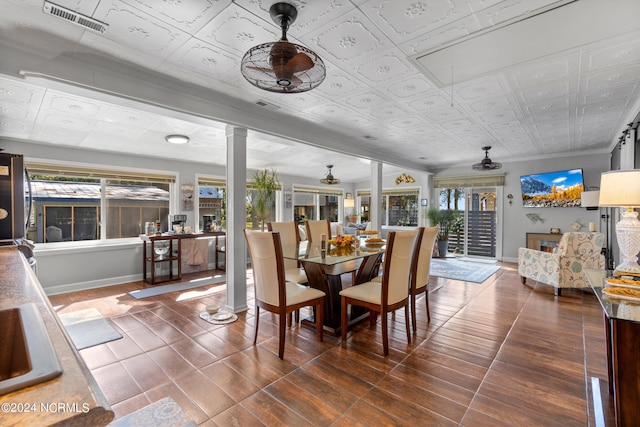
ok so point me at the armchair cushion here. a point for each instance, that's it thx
(564, 268)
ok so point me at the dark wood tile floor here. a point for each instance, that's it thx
(495, 354)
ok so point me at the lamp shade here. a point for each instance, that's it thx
(590, 199)
(349, 203)
(620, 188)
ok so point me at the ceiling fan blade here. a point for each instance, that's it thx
(300, 62)
(265, 70)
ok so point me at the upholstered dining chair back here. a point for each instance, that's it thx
(397, 266)
(317, 228)
(424, 249)
(420, 272)
(268, 266)
(290, 240)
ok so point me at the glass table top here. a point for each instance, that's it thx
(619, 308)
(336, 254)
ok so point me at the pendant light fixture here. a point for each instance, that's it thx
(282, 66)
(329, 179)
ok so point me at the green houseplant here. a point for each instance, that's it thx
(448, 221)
(265, 184)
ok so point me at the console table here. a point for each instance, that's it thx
(150, 260)
(622, 334)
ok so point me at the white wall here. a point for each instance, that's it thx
(515, 222)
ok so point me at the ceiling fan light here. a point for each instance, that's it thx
(329, 178)
(177, 139)
(282, 66)
(486, 164)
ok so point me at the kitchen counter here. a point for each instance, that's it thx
(73, 398)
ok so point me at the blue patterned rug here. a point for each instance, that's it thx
(163, 413)
(468, 271)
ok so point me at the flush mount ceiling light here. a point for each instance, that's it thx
(486, 164)
(329, 179)
(177, 139)
(282, 66)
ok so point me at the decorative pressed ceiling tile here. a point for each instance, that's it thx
(376, 94)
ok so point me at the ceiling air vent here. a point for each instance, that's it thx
(75, 17)
(267, 105)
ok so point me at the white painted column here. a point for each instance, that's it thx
(376, 195)
(236, 248)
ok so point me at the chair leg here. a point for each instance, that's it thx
(413, 311)
(385, 334)
(372, 318)
(406, 321)
(289, 316)
(426, 300)
(255, 326)
(343, 318)
(319, 320)
(282, 328)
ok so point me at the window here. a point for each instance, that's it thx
(212, 202)
(398, 207)
(311, 203)
(212, 194)
(78, 203)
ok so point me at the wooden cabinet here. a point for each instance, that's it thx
(546, 242)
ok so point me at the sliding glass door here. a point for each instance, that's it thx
(476, 231)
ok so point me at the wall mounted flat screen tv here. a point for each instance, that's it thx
(560, 189)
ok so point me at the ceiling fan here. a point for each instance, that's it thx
(486, 164)
(282, 66)
(329, 179)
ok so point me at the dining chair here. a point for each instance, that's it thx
(392, 292)
(290, 239)
(425, 240)
(272, 291)
(315, 229)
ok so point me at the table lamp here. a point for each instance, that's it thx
(622, 189)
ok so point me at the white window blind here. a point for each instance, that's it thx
(319, 190)
(494, 180)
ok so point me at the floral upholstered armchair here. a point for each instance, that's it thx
(564, 267)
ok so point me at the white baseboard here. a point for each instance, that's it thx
(93, 284)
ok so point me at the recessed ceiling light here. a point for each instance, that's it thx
(177, 139)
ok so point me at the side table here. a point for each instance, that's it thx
(622, 334)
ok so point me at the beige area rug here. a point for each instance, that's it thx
(88, 328)
(175, 287)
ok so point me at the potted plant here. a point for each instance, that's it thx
(448, 221)
(265, 184)
(352, 217)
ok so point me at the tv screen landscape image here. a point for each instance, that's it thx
(552, 189)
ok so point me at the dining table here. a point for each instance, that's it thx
(324, 270)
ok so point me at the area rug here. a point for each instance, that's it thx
(469, 271)
(163, 413)
(88, 328)
(175, 287)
